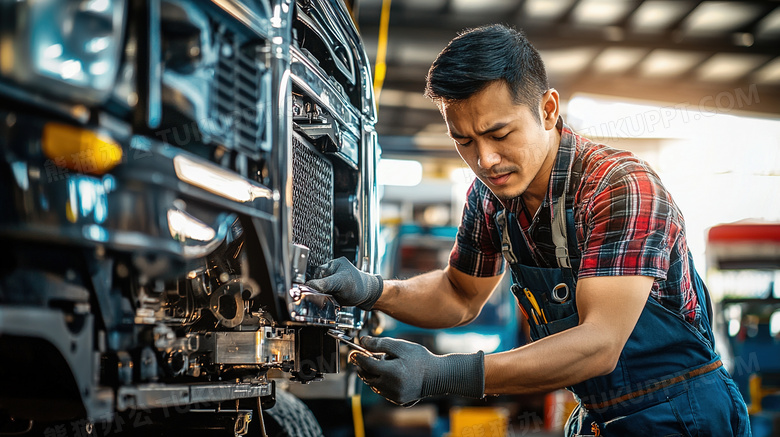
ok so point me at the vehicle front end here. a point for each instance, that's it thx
(172, 171)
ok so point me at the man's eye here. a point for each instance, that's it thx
(501, 137)
(463, 144)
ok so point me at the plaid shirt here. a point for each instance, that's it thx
(626, 224)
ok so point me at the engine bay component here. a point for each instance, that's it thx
(227, 302)
(309, 305)
(267, 346)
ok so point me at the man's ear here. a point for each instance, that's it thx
(550, 108)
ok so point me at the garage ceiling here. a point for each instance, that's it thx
(700, 53)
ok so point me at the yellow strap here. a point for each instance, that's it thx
(357, 417)
(381, 49)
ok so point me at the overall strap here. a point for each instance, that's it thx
(558, 229)
(513, 244)
(703, 296)
(506, 239)
(562, 227)
(565, 245)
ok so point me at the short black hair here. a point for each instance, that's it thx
(477, 57)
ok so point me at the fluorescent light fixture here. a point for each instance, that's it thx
(600, 12)
(715, 17)
(217, 180)
(657, 15)
(769, 26)
(615, 60)
(724, 67)
(769, 73)
(668, 63)
(566, 61)
(184, 226)
(399, 172)
(545, 10)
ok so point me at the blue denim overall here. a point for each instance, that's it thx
(668, 381)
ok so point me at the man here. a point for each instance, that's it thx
(598, 255)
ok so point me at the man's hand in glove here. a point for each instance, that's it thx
(409, 372)
(347, 284)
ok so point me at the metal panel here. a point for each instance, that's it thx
(266, 346)
(312, 211)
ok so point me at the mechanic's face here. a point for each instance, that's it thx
(502, 142)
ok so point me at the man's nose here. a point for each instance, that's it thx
(487, 157)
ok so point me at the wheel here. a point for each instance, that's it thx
(290, 417)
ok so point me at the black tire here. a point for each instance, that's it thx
(290, 417)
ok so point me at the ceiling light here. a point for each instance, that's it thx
(769, 26)
(657, 15)
(615, 60)
(668, 63)
(770, 73)
(545, 10)
(600, 12)
(714, 17)
(728, 66)
(566, 61)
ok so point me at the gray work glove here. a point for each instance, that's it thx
(409, 372)
(347, 284)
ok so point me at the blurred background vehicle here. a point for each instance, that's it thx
(744, 269)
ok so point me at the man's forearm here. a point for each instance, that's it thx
(551, 363)
(429, 301)
(608, 306)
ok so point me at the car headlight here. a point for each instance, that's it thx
(66, 48)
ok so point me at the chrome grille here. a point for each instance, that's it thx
(237, 92)
(312, 211)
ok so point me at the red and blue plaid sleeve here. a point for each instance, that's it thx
(630, 222)
(631, 226)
